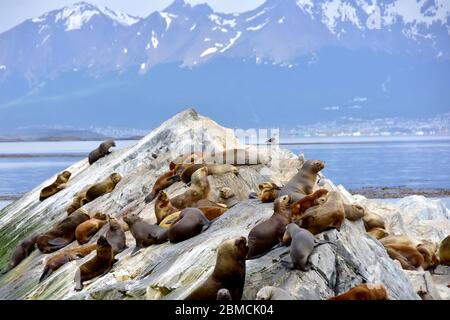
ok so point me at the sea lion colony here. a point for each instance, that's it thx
(301, 210)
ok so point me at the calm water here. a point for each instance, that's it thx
(415, 164)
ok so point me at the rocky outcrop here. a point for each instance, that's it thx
(172, 271)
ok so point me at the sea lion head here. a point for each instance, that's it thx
(199, 175)
(131, 219)
(99, 215)
(313, 166)
(268, 185)
(235, 249)
(115, 177)
(66, 174)
(291, 229)
(223, 294)
(109, 143)
(162, 199)
(282, 203)
(102, 242)
(114, 224)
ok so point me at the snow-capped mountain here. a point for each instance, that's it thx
(87, 42)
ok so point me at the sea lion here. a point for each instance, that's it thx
(299, 207)
(198, 190)
(269, 233)
(144, 233)
(101, 151)
(164, 181)
(163, 207)
(187, 158)
(116, 236)
(77, 200)
(190, 223)
(408, 256)
(213, 169)
(364, 291)
(98, 266)
(428, 250)
(302, 244)
(59, 184)
(229, 272)
(373, 220)
(273, 293)
(444, 251)
(223, 294)
(304, 181)
(61, 258)
(398, 239)
(331, 214)
(353, 212)
(86, 230)
(226, 193)
(237, 157)
(268, 192)
(210, 209)
(101, 188)
(167, 222)
(62, 233)
(22, 251)
(378, 233)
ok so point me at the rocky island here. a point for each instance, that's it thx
(173, 271)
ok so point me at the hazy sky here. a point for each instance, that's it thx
(12, 12)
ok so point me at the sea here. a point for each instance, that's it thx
(353, 162)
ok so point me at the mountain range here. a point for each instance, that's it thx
(287, 62)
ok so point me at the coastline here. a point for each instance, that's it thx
(399, 192)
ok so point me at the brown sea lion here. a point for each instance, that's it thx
(229, 272)
(59, 184)
(144, 233)
(408, 256)
(236, 157)
(101, 151)
(378, 233)
(223, 294)
(398, 239)
(373, 220)
(22, 251)
(101, 188)
(213, 169)
(364, 291)
(198, 190)
(304, 181)
(444, 251)
(210, 209)
(273, 293)
(191, 222)
(302, 244)
(164, 181)
(428, 250)
(98, 266)
(77, 200)
(226, 193)
(299, 207)
(163, 207)
(269, 233)
(353, 212)
(86, 230)
(116, 236)
(62, 233)
(61, 258)
(328, 215)
(268, 192)
(187, 158)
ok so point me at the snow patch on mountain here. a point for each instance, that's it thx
(2, 67)
(208, 52)
(75, 17)
(193, 27)
(258, 27)
(337, 10)
(119, 16)
(155, 41)
(168, 18)
(232, 41)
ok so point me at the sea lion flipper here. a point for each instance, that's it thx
(206, 227)
(45, 274)
(57, 242)
(78, 283)
(321, 242)
(135, 251)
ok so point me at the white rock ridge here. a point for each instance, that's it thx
(172, 271)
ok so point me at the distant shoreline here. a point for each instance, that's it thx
(399, 192)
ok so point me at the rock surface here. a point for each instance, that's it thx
(172, 271)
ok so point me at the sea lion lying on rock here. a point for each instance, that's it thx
(99, 189)
(198, 190)
(164, 181)
(190, 222)
(101, 151)
(229, 272)
(273, 293)
(86, 230)
(304, 181)
(213, 170)
(62, 233)
(353, 212)
(144, 233)
(378, 233)
(269, 233)
(302, 244)
(428, 250)
(365, 291)
(299, 207)
(444, 251)
(268, 192)
(320, 218)
(373, 220)
(22, 251)
(61, 258)
(77, 200)
(59, 184)
(408, 256)
(98, 266)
